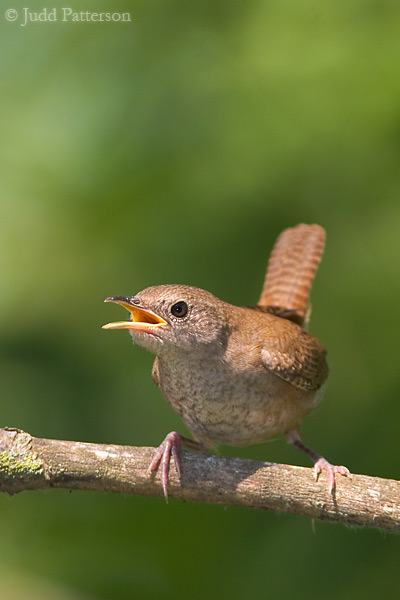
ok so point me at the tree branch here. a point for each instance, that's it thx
(29, 463)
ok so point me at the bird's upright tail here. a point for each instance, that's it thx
(291, 270)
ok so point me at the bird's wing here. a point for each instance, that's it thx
(155, 372)
(300, 361)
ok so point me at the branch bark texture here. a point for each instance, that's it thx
(29, 463)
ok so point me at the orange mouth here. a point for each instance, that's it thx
(142, 319)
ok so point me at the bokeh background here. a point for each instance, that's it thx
(173, 149)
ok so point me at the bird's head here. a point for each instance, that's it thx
(167, 317)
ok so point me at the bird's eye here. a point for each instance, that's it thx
(179, 309)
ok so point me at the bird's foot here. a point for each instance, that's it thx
(320, 463)
(323, 465)
(171, 447)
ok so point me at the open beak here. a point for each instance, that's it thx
(142, 318)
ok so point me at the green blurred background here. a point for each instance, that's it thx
(173, 149)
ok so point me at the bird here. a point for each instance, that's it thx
(236, 375)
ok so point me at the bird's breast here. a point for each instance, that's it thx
(232, 406)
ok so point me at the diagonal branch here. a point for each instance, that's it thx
(29, 463)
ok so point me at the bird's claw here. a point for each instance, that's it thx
(169, 447)
(323, 465)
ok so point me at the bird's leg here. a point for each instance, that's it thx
(171, 447)
(320, 463)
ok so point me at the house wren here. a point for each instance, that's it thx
(236, 375)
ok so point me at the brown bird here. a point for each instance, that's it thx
(236, 375)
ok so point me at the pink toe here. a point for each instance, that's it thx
(323, 465)
(169, 447)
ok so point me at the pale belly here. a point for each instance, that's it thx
(237, 409)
